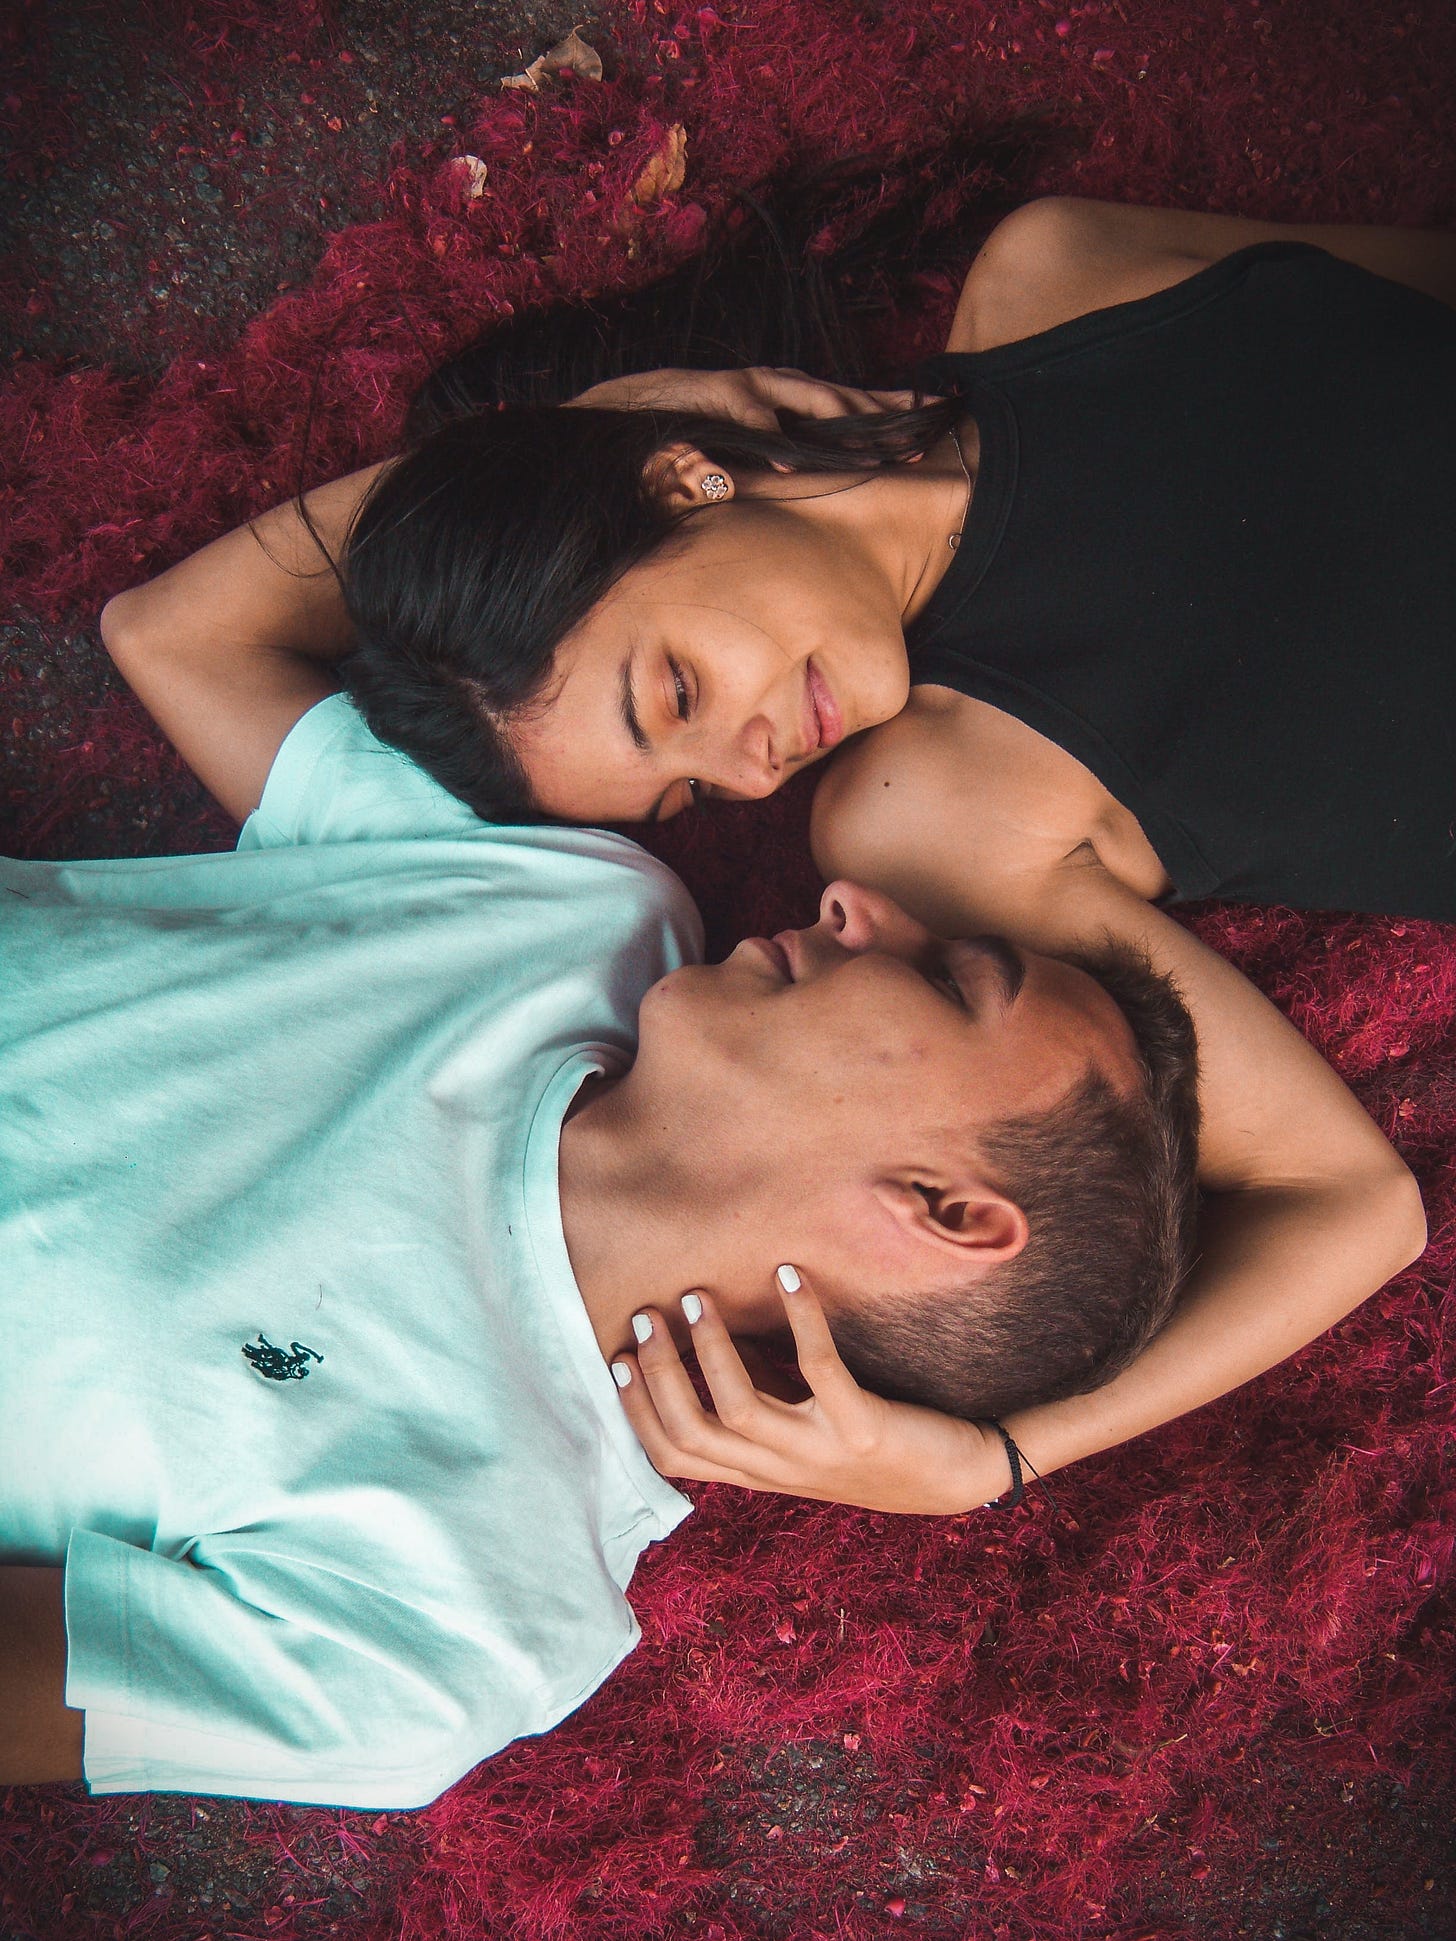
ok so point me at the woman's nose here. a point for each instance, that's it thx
(751, 770)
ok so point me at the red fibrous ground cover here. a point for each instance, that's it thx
(1209, 1694)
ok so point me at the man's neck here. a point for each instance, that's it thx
(605, 1214)
(638, 1220)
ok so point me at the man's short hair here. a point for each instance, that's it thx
(1108, 1183)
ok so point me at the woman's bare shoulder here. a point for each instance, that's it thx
(957, 793)
(1062, 257)
(953, 788)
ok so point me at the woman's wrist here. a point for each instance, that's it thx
(1013, 1462)
(981, 1478)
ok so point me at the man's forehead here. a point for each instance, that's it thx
(1111, 1043)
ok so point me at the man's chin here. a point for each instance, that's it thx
(690, 981)
(681, 993)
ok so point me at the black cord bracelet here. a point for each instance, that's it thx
(1013, 1456)
(1016, 1459)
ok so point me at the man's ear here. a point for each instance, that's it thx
(968, 1223)
(674, 477)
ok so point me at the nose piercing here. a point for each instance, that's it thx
(715, 486)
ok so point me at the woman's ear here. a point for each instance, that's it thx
(681, 478)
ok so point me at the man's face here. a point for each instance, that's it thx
(814, 1066)
(867, 1014)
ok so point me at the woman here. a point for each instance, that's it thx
(1188, 467)
(630, 661)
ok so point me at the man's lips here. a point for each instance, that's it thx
(789, 944)
(774, 950)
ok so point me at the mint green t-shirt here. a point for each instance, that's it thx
(297, 1382)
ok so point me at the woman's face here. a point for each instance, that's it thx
(749, 646)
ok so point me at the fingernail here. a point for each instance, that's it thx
(789, 1280)
(642, 1327)
(621, 1373)
(692, 1307)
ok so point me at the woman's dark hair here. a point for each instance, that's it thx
(506, 519)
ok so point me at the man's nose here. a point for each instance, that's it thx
(862, 919)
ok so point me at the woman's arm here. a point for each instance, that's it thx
(1062, 257)
(229, 647)
(1309, 1208)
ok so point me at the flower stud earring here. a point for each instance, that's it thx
(715, 486)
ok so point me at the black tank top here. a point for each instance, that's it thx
(1212, 554)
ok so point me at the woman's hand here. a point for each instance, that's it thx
(748, 397)
(841, 1444)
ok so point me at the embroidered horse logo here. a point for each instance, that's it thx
(275, 1364)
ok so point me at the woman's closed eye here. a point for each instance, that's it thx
(682, 695)
(683, 707)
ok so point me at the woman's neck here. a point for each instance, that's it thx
(952, 466)
(905, 520)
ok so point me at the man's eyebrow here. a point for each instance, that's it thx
(627, 704)
(1009, 962)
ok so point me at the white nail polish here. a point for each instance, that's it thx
(692, 1307)
(789, 1280)
(642, 1327)
(621, 1373)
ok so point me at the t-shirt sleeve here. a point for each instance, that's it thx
(322, 1691)
(334, 781)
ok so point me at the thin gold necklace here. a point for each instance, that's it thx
(956, 537)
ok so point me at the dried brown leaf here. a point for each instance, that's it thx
(468, 174)
(664, 175)
(667, 170)
(570, 56)
(575, 56)
(530, 78)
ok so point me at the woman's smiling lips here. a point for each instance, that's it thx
(828, 730)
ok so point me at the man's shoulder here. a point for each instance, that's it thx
(335, 781)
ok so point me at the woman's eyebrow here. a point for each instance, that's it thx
(632, 722)
(627, 705)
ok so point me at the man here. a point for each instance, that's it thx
(330, 1186)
